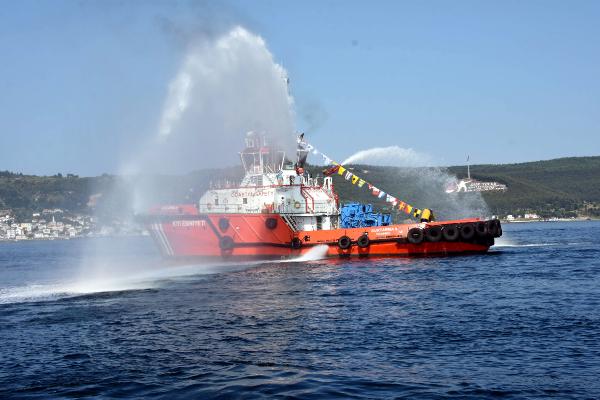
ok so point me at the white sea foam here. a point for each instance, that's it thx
(111, 279)
(318, 252)
(527, 245)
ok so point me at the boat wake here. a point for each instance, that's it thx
(102, 283)
(508, 242)
(138, 278)
(526, 245)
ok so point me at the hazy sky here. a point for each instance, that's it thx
(82, 84)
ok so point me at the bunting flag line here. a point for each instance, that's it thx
(425, 214)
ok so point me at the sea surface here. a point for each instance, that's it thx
(106, 318)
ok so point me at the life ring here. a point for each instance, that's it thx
(223, 224)
(433, 234)
(296, 243)
(363, 241)
(344, 242)
(415, 235)
(481, 228)
(467, 231)
(226, 243)
(450, 232)
(271, 223)
(297, 205)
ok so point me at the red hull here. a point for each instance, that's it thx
(188, 234)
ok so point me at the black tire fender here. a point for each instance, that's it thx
(344, 242)
(363, 241)
(481, 228)
(467, 231)
(415, 235)
(433, 234)
(492, 227)
(450, 233)
(296, 243)
(226, 243)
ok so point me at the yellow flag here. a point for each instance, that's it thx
(361, 182)
(417, 213)
(408, 209)
(341, 171)
(354, 179)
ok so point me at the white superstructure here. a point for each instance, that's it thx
(273, 184)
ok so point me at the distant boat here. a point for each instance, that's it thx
(473, 185)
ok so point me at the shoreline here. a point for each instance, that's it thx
(527, 221)
(62, 239)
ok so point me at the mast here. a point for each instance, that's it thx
(468, 168)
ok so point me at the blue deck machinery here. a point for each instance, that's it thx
(356, 215)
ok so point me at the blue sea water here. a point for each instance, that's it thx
(106, 318)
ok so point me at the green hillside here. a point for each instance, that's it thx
(560, 187)
(554, 188)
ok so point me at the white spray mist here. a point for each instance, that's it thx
(225, 86)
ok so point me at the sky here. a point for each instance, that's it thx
(83, 83)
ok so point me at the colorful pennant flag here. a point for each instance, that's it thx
(354, 179)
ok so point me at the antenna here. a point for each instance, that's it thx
(468, 168)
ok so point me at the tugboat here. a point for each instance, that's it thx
(279, 211)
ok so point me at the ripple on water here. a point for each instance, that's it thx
(521, 322)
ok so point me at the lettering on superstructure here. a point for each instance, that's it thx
(253, 193)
